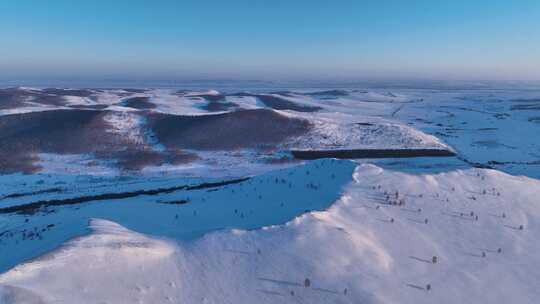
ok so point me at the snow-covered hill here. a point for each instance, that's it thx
(467, 236)
(376, 244)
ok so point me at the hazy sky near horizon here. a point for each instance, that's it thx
(272, 39)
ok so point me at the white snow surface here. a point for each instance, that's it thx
(128, 124)
(335, 131)
(361, 250)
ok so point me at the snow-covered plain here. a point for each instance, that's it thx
(327, 231)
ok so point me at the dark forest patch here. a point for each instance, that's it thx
(279, 103)
(69, 92)
(90, 107)
(58, 131)
(215, 102)
(370, 153)
(334, 93)
(20, 162)
(177, 202)
(260, 128)
(135, 90)
(22, 136)
(501, 115)
(243, 94)
(210, 97)
(534, 119)
(525, 100)
(50, 100)
(218, 106)
(14, 97)
(24, 194)
(11, 98)
(533, 106)
(41, 205)
(141, 103)
(138, 159)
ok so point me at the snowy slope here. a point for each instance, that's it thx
(357, 120)
(334, 131)
(181, 213)
(360, 250)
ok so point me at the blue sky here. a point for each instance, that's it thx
(274, 39)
